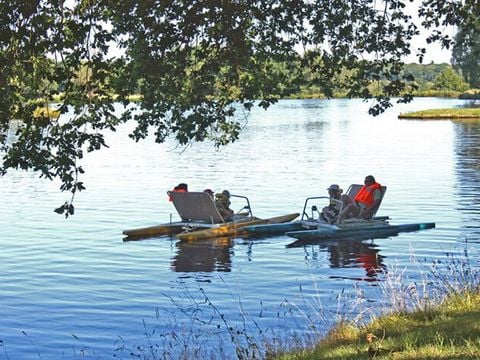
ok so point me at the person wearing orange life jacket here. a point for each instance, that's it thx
(182, 187)
(365, 202)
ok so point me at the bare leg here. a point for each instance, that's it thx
(349, 208)
(350, 211)
(364, 214)
(346, 200)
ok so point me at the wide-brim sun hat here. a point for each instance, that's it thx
(333, 187)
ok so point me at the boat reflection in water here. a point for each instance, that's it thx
(348, 253)
(215, 255)
(203, 255)
(357, 254)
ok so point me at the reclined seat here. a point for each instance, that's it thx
(196, 207)
(353, 191)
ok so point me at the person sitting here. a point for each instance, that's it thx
(222, 201)
(209, 192)
(182, 187)
(365, 203)
(330, 212)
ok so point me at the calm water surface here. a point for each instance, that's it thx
(73, 289)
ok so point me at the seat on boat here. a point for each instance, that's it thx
(384, 190)
(196, 206)
(355, 188)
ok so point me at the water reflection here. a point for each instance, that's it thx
(470, 104)
(350, 253)
(356, 254)
(215, 255)
(467, 150)
(203, 256)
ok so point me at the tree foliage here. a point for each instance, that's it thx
(440, 14)
(466, 54)
(449, 80)
(425, 72)
(194, 63)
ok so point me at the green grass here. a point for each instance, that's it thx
(450, 330)
(457, 113)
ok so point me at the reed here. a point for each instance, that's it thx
(199, 330)
(437, 317)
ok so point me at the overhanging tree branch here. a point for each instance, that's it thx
(193, 64)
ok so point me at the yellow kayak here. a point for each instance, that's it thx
(156, 230)
(232, 229)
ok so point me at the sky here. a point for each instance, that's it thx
(434, 51)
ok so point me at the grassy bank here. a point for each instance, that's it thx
(450, 330)
(457, 113)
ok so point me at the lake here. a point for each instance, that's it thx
(72, 288)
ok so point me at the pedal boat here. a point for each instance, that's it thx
(200, 219)
(312, 226)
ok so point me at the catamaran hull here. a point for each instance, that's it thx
(156, 230)
(205, 231)
(272, 229)
(363, 232)
(232, 229)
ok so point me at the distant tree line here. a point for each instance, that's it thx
(441, 77)
(429, 80)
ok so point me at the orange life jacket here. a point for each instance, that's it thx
(365, 195)
(176, 189)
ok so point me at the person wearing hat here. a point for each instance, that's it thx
(222, 201)
(330, 212)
